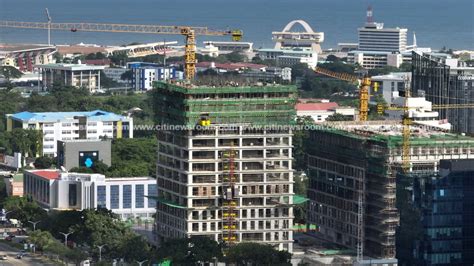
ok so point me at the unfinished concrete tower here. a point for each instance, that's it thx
(230, 179)
(349, 158)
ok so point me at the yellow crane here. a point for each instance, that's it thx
(364, 86)
(407, 121)
(189, 32)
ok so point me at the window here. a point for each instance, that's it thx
(139, 192)
(114, 197)
(101, 197)
(72, 195)
(127, 197)
(152, 191)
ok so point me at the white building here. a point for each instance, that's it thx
(228, 47)
(389, 86)
(420, 111)
(379, 46)
(289, 57)
(308, 39)
(72, 125)
(374, 37)
(322, 110)
(77, 75)
(126, 197)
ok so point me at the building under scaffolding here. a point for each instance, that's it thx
(231, 178)
(349, 159)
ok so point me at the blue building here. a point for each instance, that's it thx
(446, 206)
(144, 74)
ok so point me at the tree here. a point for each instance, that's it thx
(41, 239)
(97, 55)
(235, 57)
(9, 73)
(338, 117)
(332, 58)
(98, 227)
(190, 251)
(43, 162)
(135, 247)
(100, 167)
(24, 210)
(256, 254)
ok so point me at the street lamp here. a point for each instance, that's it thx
(100, 251)
(65, 237)
(34, 224)
(140, 263)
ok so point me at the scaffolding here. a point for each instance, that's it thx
(257, 105)
(229, 197)
(378, 151)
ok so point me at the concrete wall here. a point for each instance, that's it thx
(68, 151)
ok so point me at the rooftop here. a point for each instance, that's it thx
(14, 48)
(72, 67)
(96, 115)
(315, 106)
(47, 174)
(392, 131)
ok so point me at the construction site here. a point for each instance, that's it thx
(224, 167)
(353, 169)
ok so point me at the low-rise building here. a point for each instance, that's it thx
(228, 47)
(289, 57)
(420, 111)
(14, 185)
(83, 152)
(320, 111)
(127, 197)
(389, 86)
(56, 126)
(77, 75)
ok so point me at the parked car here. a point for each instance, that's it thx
(3, 257)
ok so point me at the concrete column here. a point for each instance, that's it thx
(90, 79)
(98, 83)
(80, 78)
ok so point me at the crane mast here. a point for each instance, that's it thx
(189, 32)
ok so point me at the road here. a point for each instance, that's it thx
(13, 261)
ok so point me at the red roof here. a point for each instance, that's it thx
(47, 174)
(97, 62)
(315, 106)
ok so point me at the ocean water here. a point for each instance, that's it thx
(437, 23)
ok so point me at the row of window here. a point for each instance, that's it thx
(126, 196)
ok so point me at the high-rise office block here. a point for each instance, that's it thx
(232, 178)
(349, 159)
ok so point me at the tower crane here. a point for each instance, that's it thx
(190, 33)
(364, 85)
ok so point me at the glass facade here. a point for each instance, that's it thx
(139, 196)
(101, 197)
(114, 197)
(442, 85)
(127, 197)
(445, 202)
(152, 191)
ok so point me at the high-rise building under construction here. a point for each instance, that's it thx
(349, 159)
(230, 178)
